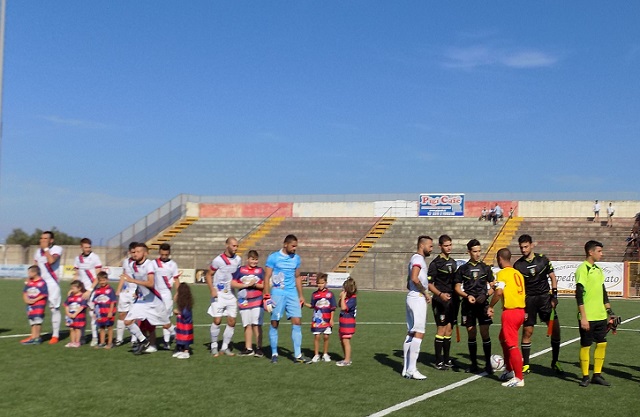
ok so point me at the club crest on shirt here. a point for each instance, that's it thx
(102, 299)
(73, 307)
(278, 280)
(33, 292)
(322, 303)
(248, 278)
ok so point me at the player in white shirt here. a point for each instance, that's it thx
(149, 305)
(167, 275)
(126, 293)
(86, 267)
(417, 300)
(223, 300)
(47, 257)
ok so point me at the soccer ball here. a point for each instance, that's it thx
(497, 363)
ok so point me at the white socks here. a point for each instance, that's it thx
(55, 322)
(406, 347)
(227, 336)
(135, 331)
(215, 332)
(414, 352)
(166, 333)
(119, 330)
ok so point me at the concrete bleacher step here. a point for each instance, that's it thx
(384, 266)
(503, 239)
(364, 245)
(171, 232)
(261, 231)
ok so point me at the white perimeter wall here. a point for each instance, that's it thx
(404, 208)
(575, 208)
(338, 209)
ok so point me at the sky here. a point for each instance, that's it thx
(112, 108)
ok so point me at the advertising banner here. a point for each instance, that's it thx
(441, 205)
(13, 271)
(566, 275)
(187, 275)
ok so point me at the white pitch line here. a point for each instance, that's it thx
(17, 335)
(465, 381)
(366, 323)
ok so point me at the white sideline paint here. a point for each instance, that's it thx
(449, 387)
(366, 323)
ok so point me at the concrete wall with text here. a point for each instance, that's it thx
(575, 208)
(403, 208)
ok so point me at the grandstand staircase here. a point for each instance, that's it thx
(362, 247)
(171, 232)
(503, 238)
(258, 233)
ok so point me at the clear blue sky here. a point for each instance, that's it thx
(111, 108)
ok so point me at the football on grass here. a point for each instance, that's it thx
(497, 363)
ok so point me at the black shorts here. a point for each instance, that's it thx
(445, 312)
(597, 333)
(472, 313)
(537, 305)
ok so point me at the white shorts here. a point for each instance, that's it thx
(416, 314)
(325, 331)
(168, 303)
(224, 306)
(125, 301)
(155, 313)
(252, 316)
(54, 297)
(37, 320)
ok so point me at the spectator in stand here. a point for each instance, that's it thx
(511, 212)
(596, 211)
(610, 211)
(483, 215)
(632, 240)
(496, 214)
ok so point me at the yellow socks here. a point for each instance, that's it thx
(598, 357)
(584, 359)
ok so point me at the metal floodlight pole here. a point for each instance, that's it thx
(3, 8)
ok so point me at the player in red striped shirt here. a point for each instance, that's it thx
(75, 311)
(348, 306)
(323, 304)
(104, 300)
(35, 295)
(184, 321)
(249, 281)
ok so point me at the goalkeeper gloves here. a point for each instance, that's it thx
(268, 304)
(613, 322)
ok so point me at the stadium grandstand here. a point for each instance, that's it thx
(371, 237)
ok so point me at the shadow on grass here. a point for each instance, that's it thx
(546, 371)
(386, 360)
(5, 330)
(622, 374)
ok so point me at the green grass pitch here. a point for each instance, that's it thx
(53, 381)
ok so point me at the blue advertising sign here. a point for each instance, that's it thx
(441, 205)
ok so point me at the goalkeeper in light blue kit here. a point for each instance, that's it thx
(283, 294)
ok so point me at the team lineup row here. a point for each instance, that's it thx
(144, 301)
(526, 294)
